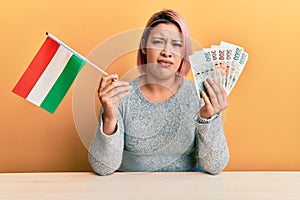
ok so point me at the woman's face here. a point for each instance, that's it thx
(164, 50)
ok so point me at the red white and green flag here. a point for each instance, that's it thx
(50, 74)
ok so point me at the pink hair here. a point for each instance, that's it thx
(167, 16)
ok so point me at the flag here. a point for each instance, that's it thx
(50, 74)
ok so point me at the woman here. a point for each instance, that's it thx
(156, 122)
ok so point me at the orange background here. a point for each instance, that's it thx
(262, 122)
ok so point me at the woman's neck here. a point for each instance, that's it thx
(159, 90)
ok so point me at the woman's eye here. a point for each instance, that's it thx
(157, 42)
(177, 44)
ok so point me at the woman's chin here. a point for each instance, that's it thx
(161, 72)
(165, 75)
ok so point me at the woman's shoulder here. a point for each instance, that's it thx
(135, 82)
(189, 85)
(189, 90)
(189, 82)
(135, 86)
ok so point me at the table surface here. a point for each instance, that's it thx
(147, 185)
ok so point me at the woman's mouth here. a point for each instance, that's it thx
(165, 63)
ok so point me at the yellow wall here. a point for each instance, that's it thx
(263, 119)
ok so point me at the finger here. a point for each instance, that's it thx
(205, 99)
(217, 90)
(212, 96)
(115, 78)
(220, 91)
(120, 90)
(118, 97)
(113, 95)
(223, 95)
(114, 85)
(114, 102)
(104, 81)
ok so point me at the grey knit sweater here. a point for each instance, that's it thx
(164, 137)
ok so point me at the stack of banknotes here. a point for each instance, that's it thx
(224, 63)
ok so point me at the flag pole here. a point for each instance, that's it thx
(80, 56)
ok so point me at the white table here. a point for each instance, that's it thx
(191, 185)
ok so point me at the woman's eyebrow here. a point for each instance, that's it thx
(157, 37)
(177, 40)
(162, 38)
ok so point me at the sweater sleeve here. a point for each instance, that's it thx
(105, 153)
(213, 153)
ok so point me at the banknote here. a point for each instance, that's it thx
(236, 54)
(215, 61)
(221, 57)
(241, 64)
(207, 62)
(228, 65)
(224, 63)
(198, 67)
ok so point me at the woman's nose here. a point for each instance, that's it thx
(166, 53)
(167, 50)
